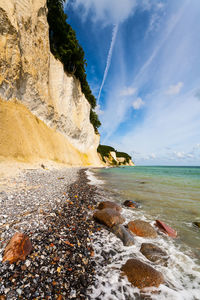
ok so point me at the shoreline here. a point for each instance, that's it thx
(61, 265)
(73, 256)
(181, 275)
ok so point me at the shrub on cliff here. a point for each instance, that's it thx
(94, 120)
(123, 154)
(105, 150)
(65, 47)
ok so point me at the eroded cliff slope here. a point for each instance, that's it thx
(34, 83)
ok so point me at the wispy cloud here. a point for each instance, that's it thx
(138, 103)
(107, 12)
(174, 89)
(128, 91)
(109, 57)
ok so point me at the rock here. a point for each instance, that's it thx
(196, 224)
(131, 203)
(142, 228)
(108, 217)
(109, 204)
(125, 236)
(154, 253)
(141, 274)
(166, 229)
(18, 248)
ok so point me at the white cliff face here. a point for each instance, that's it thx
(30, 74)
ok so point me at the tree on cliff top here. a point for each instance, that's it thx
(65, 47)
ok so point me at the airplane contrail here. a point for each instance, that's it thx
(114, 35)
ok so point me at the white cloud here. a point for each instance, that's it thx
(108, 12)
(175, 89)
(98, 110)
(152, 155)
(108, 61)
(128, 91)
(179, 154)
(160, 5)
(138, 103)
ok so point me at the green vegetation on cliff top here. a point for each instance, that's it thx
(105, 150)
(65, 47)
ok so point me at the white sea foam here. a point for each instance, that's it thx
(93, 179)
(182, 275)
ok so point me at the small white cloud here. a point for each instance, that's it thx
(175, 89)
(160, 5)
(179, 154)
(98, 110)
(138, 103)
(152, 155)
(128, 91)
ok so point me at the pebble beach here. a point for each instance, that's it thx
(72, 255)
(51, 207)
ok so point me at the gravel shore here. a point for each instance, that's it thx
(54, 208)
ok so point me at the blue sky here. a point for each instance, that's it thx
(143, 66)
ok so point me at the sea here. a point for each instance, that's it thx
(168, 193)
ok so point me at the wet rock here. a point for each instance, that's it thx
(108, 217)
(197, 224)
(131, 203)
(166, 229)
(142, 228)
(141, 274)
(154, 253)
(18, 248)
(109, 204)
(125, 236)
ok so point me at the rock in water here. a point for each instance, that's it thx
(154, 253)
(109, 204)
(125, 236)
(166, 229)
(109, 217)
(131, 203)
(18, 248)
(142, 228)
(142, 275)
(196, 224)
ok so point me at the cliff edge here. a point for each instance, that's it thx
(43, 112)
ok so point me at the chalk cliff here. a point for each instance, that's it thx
(34, 84)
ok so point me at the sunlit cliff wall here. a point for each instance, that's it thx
(33, 83)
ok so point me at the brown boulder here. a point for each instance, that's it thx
(18, 248)
(142, 275)
(108, 217)
(166, 229)
(125, 236)
(109, 204)
(131, 203)
(197, 224)
(154, 253)
(142, 228)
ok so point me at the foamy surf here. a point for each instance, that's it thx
(182, 274)
(93, 179)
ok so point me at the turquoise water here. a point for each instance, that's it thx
(171, 194)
